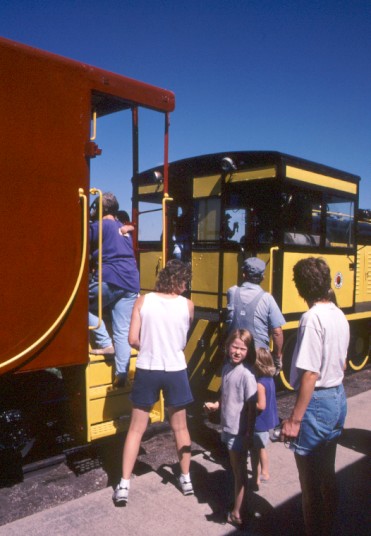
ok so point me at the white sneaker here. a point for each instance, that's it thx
(186, 485)
(120, 495)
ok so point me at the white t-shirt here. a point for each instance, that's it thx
(321, 346)
(163, 333)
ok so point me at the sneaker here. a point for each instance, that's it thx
(108, 350)
(120, 495)
(120, 380)
(186, 485)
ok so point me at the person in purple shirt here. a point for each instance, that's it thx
(120, 285)
(267, 415)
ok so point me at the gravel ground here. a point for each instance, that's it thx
(99, 466)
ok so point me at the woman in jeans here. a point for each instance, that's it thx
(317, 372)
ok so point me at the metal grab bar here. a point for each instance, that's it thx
(165, 199)
(276, 248)
(73, 294)
(96, 191)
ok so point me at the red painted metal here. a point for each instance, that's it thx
(47, 104)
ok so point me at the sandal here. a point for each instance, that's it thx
(234, 520)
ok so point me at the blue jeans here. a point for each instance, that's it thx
(119, 303)
(323, 420)
(315, 452)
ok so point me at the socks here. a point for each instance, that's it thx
(124, 484)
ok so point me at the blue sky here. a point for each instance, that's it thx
(291, 75)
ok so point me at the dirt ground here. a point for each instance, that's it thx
(99, 466)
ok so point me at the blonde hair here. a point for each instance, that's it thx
(248, 341)
(264, 365)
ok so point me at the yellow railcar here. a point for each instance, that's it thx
(220, 208)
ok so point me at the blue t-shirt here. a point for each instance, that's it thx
(268, 418)
(119, 266)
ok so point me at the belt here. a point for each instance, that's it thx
(323, 388)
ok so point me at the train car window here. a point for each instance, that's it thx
(301, 216)
(207, 215)
(180, 232)
(339, 222)
(234, 224)
(250, 218)
(150, 222)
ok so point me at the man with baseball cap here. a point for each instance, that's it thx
(250, 307)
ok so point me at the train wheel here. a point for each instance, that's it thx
(359, 348)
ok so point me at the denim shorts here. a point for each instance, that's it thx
(148, 384)
(323, 420)
(260, 439)
(233, 442)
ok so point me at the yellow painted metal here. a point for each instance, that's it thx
(204, 356)
(340, 265)
(262, 173)
(363, 275)
(203, 341)
(96, 191)
(318, 179)
(205, 269)
(150, 263)
(215, 384)
(358, 367)
(271, 268)
(207, 186)
(232, 271)
(166, 199)
(108, 408)
(155, 188)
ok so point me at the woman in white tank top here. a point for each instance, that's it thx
(158, 330)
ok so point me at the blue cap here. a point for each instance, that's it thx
(253, 267)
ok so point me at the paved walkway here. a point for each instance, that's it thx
(156, 507)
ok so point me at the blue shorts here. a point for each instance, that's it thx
(233, 442)
(148, 384)
(260, 439)
(323, 420)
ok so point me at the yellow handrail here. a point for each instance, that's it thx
(282, 374)
(165, 199)
(73, 294)
(274, 248)
(96, 191)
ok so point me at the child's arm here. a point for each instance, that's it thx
(212, 406)
(261, 402)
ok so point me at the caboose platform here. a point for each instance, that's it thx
(156, 507)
